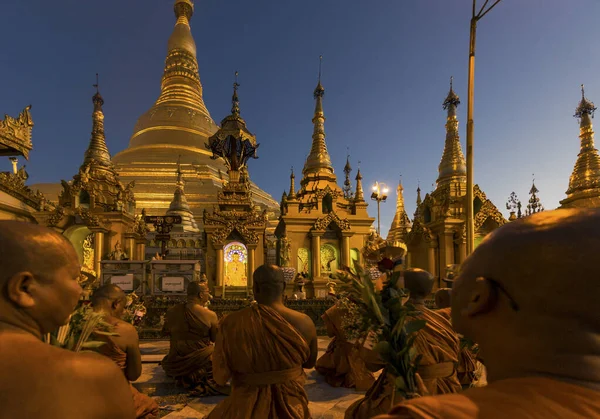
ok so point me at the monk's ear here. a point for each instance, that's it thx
(21, 288)
(481, 299)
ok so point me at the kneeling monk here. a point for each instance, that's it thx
(192, 329)
(263, 350)
(436, 342)
(123, 349)
(342, 364)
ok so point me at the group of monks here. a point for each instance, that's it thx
(528, 296)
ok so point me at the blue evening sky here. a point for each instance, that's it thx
(386, 69)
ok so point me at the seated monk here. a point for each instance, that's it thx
(342, 363)
(436, 342)
(468, 366)
(124, 349)
(192, 329)
(263, 350)
(38, 291)
(528, 296)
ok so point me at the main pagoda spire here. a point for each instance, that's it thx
(453, 165)
(97, 151)
(584, 183)
(318, 160)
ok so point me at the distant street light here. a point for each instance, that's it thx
(379, 194)
(470, 216)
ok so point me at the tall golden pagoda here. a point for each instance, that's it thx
(584, 184)
(438, 237)
(178, 124)
(320, 229)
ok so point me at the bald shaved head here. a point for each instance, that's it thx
(26, 247)
(418, 282)
(107, 292)
(529, 280)
(443, 297)
(269, 282)
(38, 277)
(196, 288)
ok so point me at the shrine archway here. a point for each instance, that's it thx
(235, 255)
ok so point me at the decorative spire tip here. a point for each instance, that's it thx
(585, 107)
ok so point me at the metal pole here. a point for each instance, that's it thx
(471, 87)
(378, 218)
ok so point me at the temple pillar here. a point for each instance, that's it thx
(140, 249)
(219, 275)
(346, 249)
(251, 263)
(462, 250)
(131, 247)
(316, 253)
(431, 259)
(98, 249)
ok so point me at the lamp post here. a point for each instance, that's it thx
(379, 194)
(476, 17)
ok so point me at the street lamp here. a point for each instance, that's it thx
(470, 219)
(379, 194)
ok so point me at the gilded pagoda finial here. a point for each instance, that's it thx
(97, 150)
(179, 173)
(235, 101)
(585, 106)
(179, 205)
(534, 205)
(359, 194)
(347, 184)
(401, 224)
(318, 160)
(292, 193)
(452, 165)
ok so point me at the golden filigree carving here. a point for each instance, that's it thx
(15, 134)
(324, 222)
(14, 185)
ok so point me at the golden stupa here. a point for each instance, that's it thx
(177, 128)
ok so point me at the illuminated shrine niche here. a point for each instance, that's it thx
(304, 261)
(236, 264)
(328, 259)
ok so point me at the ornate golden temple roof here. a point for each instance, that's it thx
(179, 112)
(453, 165)
(401, 224)
(584, 184)
(15, 134)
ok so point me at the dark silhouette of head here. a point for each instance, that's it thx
(443, 297)
(418, 282)
(110, 298)
(269, 284)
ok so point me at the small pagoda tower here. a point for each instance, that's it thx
(401, 224)
(95, 211)
(235, 229)
(584, 184)
(325, 229)
(438, 235)
(534, 205)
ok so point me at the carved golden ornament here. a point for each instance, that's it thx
(56, 216)
(88, 252)
(15, 134)
(324, 222)
(14, 185)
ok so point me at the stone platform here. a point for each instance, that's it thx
(326, 402)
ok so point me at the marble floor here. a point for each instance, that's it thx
(326, 402)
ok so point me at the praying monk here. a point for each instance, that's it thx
(528, 295)
(38, 292)
(124, 349)
(342, 364)
(192, 328)
(263, 350)
(437, 343)
(468, 366)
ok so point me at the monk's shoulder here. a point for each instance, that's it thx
(231, 318)
(301, 321)
(448, 406)
(126, 330)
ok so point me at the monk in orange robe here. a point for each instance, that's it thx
(123, 349)
(436, 342)
(342, 363)
(467, 360)
(192, 328)
(527, 295)
(263, 350)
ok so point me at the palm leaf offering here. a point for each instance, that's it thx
(76, 335)
(384, 316)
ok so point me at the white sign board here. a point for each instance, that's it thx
(124, 282)
(173, 283)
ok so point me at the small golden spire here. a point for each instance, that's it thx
(292, 193)
(401, 224)
(179, 205)
(318, 160)
(452, 165)
(347, 170)
(97, 150)
(235, 101)
(417, 213)
(359, 194)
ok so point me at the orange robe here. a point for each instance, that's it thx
(342, 363)
(467, 361)
(263, 353)
(439, 345)
(189, 358)
(145, 407)
(522, 398)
